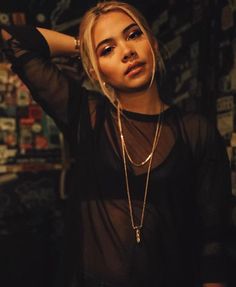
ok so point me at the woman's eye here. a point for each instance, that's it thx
(135, 34)
(106, 51)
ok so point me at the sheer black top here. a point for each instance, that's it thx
(183, 235)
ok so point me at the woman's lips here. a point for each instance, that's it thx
(134, 69)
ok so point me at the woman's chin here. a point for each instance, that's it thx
(140, 86)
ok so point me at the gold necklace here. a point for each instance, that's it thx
(127, 152)
(137, 228)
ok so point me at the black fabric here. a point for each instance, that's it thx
(182, 240)
(29, 37)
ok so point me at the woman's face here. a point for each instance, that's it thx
(123, 52)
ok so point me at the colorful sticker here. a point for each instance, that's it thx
(26, 139)
(35, 112)
(7, 124)
(41, 142)
(23, 98)
(37, 128)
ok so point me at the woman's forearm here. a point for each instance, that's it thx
(59, 43)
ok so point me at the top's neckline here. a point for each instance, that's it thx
(146, 117)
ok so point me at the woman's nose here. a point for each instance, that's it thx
(128, 54)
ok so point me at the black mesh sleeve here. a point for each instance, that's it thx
(213, 192)
(29, 54)
(30, 38)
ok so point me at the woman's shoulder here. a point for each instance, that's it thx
(194, 120)
(198, 128)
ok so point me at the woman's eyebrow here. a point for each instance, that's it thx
(108, 40)
(128, 27)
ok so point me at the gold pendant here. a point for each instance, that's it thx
(137, 231)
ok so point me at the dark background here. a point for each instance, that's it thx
(197, 40)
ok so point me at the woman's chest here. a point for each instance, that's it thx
(171, 169)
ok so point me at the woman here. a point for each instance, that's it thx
(150, 185)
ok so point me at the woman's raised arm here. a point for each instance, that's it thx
(29, 50)
(59, 43)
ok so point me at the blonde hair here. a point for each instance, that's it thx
(88, 55)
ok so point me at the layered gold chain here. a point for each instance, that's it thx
(137, 228)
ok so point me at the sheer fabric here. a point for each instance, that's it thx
(182, 240)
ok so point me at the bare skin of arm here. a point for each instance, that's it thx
(59, 43)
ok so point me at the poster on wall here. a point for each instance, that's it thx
(27, 134)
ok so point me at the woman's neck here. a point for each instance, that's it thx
(144, 102)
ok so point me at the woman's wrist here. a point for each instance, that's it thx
(77, 47)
